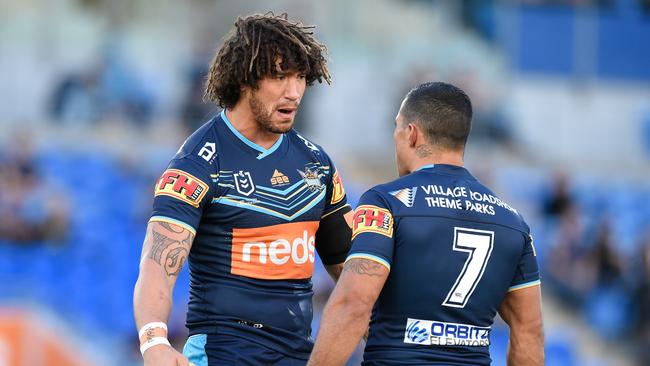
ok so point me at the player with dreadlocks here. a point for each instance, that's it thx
(248, 202)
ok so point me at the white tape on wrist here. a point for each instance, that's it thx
(151, 325)
(153, 342)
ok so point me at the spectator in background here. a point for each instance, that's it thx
(108, 89)
(568, 272)
(195, 111)
(77, 98)
(29, 210)
(490, 124)
(560, 200)
(603, 258)
(642, 301)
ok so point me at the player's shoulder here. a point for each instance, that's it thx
(201, 147)
(307, 145)
(507, 213)
(384, 191)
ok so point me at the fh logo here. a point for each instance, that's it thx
(244, 183)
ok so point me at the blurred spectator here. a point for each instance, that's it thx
(195, 111)
(642, 301)
(603, 258)
(107, 89)
(29, 210)
(568, 270)
(560, 199)
(77, 98)
(489, 123)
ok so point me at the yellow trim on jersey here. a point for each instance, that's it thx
(329, 213)
(169, 220)
(533, 245)
(373, 258)
(525, 285)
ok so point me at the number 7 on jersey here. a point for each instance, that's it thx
(478, 244)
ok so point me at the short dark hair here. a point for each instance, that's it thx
(443, 111)
(250, 51)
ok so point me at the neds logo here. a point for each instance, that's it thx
(277, 252)
(281, 250)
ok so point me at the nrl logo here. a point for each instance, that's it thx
(312, 179)
(244, 183)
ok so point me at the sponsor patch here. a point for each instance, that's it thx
(372, 219)
(181, 185)
(276, 252)
(338, 192)
(435, 333)
(279, 179)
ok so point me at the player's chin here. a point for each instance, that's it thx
(282, 126)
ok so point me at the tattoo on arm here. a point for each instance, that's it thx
(169, 246)
(364, 267)
(149, 335)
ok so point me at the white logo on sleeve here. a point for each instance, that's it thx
(208, 150)
(405, 195)
(308, 143)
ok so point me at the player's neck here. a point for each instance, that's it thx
(242, 120)
(437, 157)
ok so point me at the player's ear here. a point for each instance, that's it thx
(413, 134)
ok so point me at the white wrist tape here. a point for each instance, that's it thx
(151, 325)
(153, 342)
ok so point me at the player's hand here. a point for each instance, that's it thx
(163, 355)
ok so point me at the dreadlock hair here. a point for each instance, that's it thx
(251, 49)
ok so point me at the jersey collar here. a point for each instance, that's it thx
(446, 169)
(263, 152)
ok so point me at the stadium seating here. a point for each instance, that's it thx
(90, 279)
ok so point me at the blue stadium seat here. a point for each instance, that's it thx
(607, 310)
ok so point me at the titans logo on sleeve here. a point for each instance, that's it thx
(255, 212)
(454, 249)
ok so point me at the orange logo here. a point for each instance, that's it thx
(338, 192)
(279, 179)
(181, 185)
(276, 252)
(372, 219)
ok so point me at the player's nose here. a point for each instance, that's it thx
(294, 89)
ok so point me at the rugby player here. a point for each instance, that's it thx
(436, 253)
(248, 201)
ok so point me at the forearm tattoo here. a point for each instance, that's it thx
(363, 267)
(170, 246)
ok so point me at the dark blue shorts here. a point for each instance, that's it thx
(229, 350)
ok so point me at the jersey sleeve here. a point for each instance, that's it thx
(372, 230)
(181, 193)
(335, 197)
(527, 273)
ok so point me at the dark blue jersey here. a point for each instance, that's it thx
(255, 213)
(454, 250)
